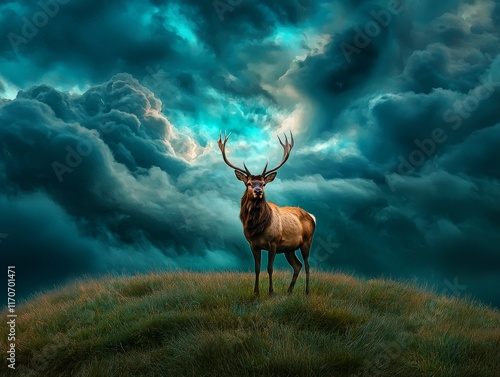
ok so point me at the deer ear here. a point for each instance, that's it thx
(242, 177)
(270, 177)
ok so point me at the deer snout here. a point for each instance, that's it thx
(257, 191)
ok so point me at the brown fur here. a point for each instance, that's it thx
(269, 227)
(290, 228)
(255, 216)
(277, 230)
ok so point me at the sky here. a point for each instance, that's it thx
(110, 112)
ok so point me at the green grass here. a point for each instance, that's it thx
(194, 324)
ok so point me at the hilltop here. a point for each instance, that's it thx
(196, 324)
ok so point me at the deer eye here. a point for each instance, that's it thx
(249, 184)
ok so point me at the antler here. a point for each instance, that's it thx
(222, 147)
(287, 147)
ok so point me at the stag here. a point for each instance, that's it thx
(268, 226)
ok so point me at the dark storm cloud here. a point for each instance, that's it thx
(43, 242)
(93, 36)
(92, 174)
(98, 37)
(475, 154)
(442, 52)
(166, 45)
(394, 106)
(247, 21)
(448, 84)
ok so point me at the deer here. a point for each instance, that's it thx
(267, 226)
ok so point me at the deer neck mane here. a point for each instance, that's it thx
(255, 215)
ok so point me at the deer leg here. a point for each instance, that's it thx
(270, 262)
(295, 263)
(256, 256)
(304, 249)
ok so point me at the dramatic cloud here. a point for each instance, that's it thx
(110, 111)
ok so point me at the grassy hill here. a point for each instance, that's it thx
(190, 324)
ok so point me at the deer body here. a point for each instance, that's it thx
(288, 228)
(267, 226)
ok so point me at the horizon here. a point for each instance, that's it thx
(110, 114)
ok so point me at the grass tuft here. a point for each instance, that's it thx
(194, 324)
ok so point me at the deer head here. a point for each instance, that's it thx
(255, 183)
